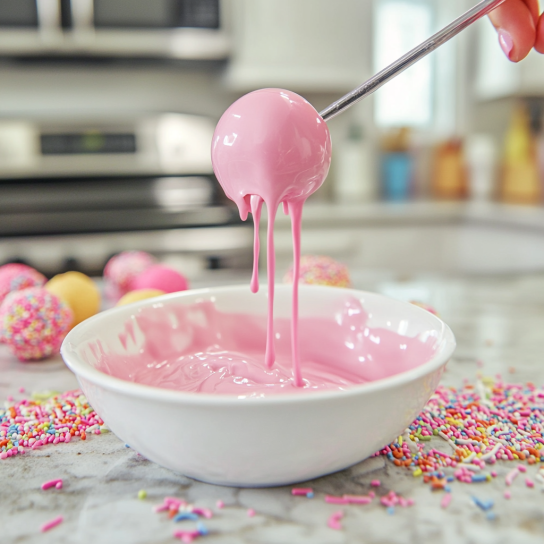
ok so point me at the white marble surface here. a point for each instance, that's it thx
(499, 321)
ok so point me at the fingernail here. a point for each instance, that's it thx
(506, 42)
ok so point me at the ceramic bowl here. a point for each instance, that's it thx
(275, 440)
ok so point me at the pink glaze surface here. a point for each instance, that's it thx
(199, 348)
(271, 145)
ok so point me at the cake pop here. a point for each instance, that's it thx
(137, 295)
(33, 323)
(272, 146)
(78, 291)
(321, 270)
(16, 276)
(161, 277)
(121, 270)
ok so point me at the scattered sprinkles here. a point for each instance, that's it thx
(334, 520)
(180, 510)
(52, 483)
(50, 524)
(32, 423)
(479, 425)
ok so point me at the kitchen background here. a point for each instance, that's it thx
(107, 108)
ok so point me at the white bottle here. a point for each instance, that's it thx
(353, 169)
(481, 156)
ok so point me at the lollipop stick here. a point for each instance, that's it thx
(422, 50)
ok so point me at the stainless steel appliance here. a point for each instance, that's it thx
(184, 29)
(75, 191)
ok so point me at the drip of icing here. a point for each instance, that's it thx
(273, 145)
(256, 203)
(270, 354)
(295, 210)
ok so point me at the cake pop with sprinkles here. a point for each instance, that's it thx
(16, 276)
(33, 323)
(122, 269)
(321, 270)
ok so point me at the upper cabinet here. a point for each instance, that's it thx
(497, 77)
(306, 45)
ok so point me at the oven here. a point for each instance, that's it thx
(75, 191)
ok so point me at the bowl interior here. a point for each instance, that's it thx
(362, 336)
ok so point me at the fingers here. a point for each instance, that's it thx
(539, 43)
(532, 6)
(515, 23)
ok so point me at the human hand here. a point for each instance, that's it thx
(520, 28)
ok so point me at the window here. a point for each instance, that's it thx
(400, 25)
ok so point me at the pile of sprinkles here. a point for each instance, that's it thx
(478, 425)
(46, 419)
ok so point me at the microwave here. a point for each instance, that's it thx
(178, 29)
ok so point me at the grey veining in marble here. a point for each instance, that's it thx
(499, 324)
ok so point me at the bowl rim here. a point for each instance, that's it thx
(84, 370)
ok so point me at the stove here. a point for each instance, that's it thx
(73, 192)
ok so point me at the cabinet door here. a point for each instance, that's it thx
(303, 45)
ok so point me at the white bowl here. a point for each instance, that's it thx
(275, 440)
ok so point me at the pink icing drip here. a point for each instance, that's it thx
(256, 203)
(270, 354)
(295, 209)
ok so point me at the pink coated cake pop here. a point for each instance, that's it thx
(33, 323)
(121, 270)
(161, 277)
(321, 270)
(15, 276)
(272, 146)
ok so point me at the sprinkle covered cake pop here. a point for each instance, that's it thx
(33, 323)
(121, 270)
(321, 270)
(15, 276)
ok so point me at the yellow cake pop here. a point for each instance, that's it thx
(137, 295)
(78, 291)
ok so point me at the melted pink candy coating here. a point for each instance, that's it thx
(271, 145)
(199, 348)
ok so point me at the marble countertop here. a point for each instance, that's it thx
(499, 324)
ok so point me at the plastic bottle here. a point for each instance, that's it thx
(354, 176)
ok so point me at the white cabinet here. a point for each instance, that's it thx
(497, 77)
(305, 45)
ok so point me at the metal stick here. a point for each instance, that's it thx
(381, 78)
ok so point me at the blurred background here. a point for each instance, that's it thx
(107, 108)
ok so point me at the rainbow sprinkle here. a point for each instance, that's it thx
(479, 425)
(46, 420)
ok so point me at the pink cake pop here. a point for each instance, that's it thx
(121, 270)
(33, 323)
(161, 277)
(271, 145)
(15, 276)
(321, 270)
